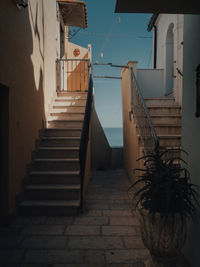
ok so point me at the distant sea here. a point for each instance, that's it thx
(114, 136)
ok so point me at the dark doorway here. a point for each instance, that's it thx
(4, 135)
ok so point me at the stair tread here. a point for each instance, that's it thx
(165, 135)
(61, 129)
(159, 98)
(52, 186)
(57, 160)
(61, 137)
(163, 106)
(167, 115)
(64, 120)
(55, 203)
(55, 173)
(59, 148)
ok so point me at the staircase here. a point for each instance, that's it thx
(53, 184)
(166, 118)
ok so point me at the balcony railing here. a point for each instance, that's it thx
(142, 116)
(73, 74)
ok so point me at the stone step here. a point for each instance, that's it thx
(167, 129)
(55, 164)
(65, 124)
(166, 140)
(70, 103)
(65, 116)
(72, 94)
(164, 110)
(57, 141)
(170, 140)
(54, 177)
(70, 109)
(160, 101)
(70, 97)
(51, 192)
(57, 152)
(72, 132)
(49, 208)
(166, 119)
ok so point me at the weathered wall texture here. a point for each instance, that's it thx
(28, 69)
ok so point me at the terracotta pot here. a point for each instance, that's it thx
(164, 240)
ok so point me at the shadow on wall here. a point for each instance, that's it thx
(103, 156)
(21, 57)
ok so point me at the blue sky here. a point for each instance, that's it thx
(120, 38)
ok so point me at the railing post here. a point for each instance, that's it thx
(132, 65)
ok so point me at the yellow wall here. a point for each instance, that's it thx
(28, 69)
(132, 150)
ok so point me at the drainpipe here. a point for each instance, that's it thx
(155, 47)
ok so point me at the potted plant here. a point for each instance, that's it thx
(166, 198)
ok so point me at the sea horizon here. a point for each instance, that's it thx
(114, 136)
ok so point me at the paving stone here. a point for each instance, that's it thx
(58, 242)
(126, 255)
(133, 242)
(91, 213)
(59, 220)
(94, 256)
(10, 241)
(82, 230)
(99, 242)
(91, 220)
(43, 230)
(29, 220)
(10, 255)
(124, 221)
(54, 256)
(11, 230)
(117, 213)
(118, 230)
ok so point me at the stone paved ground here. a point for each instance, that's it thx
(106, 234)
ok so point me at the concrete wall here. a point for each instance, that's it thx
(151, 82)
(163, 23)
(191, 124)
(28, 39)
(101, 150)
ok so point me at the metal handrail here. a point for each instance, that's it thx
(73, 74)
(85, 137)
(142, 116)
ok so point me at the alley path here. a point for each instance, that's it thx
(107, 234)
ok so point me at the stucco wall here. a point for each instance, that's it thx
(23, 54)
(131, 150)
(151, 82)
(163, 23)
(191, 124)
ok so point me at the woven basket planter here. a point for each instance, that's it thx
(164, 241)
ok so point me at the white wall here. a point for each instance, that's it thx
(163, 22)
(151, 82)
(191, 124)
(51, 38)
